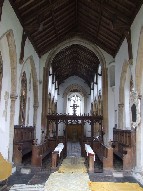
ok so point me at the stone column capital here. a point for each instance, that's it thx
(36, 105)
(13, 96)
(120, 105)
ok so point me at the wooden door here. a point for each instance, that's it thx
(74, 132)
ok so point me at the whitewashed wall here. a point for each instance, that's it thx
(122, 55)
(5, 110)
(9, 21)
(136, 29)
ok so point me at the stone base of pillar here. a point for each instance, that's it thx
(108, 171)
(138, 175)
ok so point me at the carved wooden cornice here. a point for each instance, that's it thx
(75, 118)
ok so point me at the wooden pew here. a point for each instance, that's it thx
(39, 152)
(86, 140)
(90, 158)
(57, 155)
(104, 153)
(124, 147)
(23, 140)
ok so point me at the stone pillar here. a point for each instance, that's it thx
(35, 106)
(139, 148)
(13, 98)
(105, 104)
(120, 116)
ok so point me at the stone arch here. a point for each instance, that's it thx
(122, 95)
(80, 41)
(75, 86)
(122, 81)
(35, 87)
(96, 50)
(13, 92)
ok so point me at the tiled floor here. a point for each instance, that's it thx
(41, 175)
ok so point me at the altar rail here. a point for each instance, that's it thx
(22, 143)
(39, 152)
(124, 147)
(104, 153)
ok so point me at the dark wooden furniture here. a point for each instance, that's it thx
(52, 143)
(104, 153)
(56, 158)
(90, 156)
(73, 119)
(39, 152)
(124, 147)
(86, 140)
(22, 143)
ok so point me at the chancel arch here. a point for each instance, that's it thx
(98, 53)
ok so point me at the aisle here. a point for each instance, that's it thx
(71, 176)
(73, 149)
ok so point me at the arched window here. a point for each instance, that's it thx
(1, 73)
(74, 105)
(99, 81)
(23, 99)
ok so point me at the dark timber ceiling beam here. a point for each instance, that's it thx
(42, 11)
(99, 17)
(21, 22)
(54, 20)
(49, 22)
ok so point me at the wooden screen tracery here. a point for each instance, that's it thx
(56, 119)
(23, 99)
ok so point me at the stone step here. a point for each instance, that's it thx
(24, 187)
(118, 174)
(25, 170)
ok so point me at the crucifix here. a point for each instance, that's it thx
(74, 107)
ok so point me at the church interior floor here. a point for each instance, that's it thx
(38, 177)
